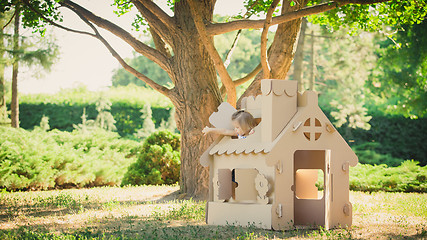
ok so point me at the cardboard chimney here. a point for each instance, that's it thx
(268, 179)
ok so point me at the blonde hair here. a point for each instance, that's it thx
(245, 120)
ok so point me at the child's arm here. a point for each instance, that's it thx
(222, 131)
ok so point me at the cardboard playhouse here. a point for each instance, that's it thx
(268, 179)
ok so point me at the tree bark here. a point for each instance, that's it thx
(14, 105)
(299, 56)
(266, 69)
(197, 98)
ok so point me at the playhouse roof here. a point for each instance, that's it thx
(307, 107)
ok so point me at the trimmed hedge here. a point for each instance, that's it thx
(63, 116)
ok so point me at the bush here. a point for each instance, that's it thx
(158, 161)
(43, 160)
(398, 136)
(368, 154)
(408, 177)
(401, 137)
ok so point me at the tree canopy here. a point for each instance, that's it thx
(401, 71)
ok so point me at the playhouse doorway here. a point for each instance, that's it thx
(310, 174)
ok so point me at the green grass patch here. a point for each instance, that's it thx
(181, 210)
(154, 212)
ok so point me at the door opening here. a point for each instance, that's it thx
(309, 187)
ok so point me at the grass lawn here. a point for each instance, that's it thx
(158, 212)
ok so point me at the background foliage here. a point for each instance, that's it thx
(408, 177)
(400, 74)
(66, 108)
(43, 160)
(396, 135)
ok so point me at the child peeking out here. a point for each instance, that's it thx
(243, 123)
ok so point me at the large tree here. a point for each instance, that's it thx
(184, 49)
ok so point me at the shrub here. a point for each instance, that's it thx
(42, 160)
(158, 160)
(408, 177)
(368, 154)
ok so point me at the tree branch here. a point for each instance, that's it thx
(140, 47)
(159, 43)
(236, 38)
(220, 28)
(164, 30)
(248, 77)
(361, 2)
(264, 61)
(53, 23)
(233, 46)
(165, 91)
(244, 79)
(213, 53)
(10, 20)
(158, 12)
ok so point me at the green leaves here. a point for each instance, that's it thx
(257, 7)
(408, 177)
(400, 76)
(373, 17)
(42, 160)
(158, 161)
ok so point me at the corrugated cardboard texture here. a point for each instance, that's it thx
(255, 163)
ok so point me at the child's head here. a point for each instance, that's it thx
(243, 122)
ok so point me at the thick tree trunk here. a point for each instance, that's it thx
(197, 92)
(299, 56)
(197, 97)
(14, 105)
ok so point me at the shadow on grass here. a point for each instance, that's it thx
(148, 229)
(136, 227)
(10, 213)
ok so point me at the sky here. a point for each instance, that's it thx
(84, 60)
